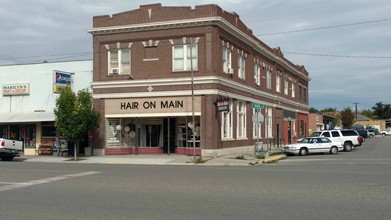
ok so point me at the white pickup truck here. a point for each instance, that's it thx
(9, 149)
(386, 132)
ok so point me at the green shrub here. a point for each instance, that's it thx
(240, 157)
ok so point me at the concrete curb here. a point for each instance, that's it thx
(273, 159)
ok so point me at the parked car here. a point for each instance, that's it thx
(386, 132)
(313, 145)
(348, 137)
(360, 139)
(371, 132)
(362, 132)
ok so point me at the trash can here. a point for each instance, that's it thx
(88, 151)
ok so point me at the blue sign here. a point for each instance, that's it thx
(62, 78)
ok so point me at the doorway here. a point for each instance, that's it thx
(169, 138)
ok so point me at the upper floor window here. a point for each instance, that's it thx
(293, 89)
(300, 93)
(119, 61)
(241, 117)
(286, 87)
(257, 74)
(278, 83)
(268, 79)
(227, 61)
(185, 57)
(241, 67)
(304, 94)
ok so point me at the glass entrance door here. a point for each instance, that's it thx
(152, 135)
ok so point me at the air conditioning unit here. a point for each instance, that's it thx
(230, 71)
(114, 71)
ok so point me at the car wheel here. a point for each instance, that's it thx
(348, 146)
(333, 150)
(303, 151)
(383, 134)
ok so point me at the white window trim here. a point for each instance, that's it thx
(227, 64)
(293, 90)
(119, 69)
(269, 122)
(241, 67)
(241, 114)
(228, 122)
(268, 79)
(286, 87)
(257, 74)
(186, 59)
(278, 83)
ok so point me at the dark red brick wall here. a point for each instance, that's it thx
(209, 64)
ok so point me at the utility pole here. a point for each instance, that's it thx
(356, 103)
(192, 100)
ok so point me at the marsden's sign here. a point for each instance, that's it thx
(152, 105)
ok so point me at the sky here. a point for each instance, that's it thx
(344, 45)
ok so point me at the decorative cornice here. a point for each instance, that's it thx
(187, 81)
(197, 22)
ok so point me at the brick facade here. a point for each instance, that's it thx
(150, 33)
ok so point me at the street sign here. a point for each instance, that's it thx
(258, 118)
(258, 105)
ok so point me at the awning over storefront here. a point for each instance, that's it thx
(14, 117)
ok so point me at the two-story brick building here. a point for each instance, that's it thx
(156, 68)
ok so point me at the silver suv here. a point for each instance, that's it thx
(348, 137)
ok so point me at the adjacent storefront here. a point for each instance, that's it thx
(28, 98)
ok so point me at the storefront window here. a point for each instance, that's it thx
(14, 132)
(3, 131)
(48, 134)
(184, 129)
(29, 136)
(48, 130)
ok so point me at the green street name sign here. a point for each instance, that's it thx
(258, 105)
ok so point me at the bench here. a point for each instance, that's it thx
(44, 150)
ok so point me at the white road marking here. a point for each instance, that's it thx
(14, 185)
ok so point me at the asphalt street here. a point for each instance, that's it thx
(349, 185)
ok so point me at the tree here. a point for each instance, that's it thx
(382, 111)
(313, 110)
(75, 116)
(368, 112)
(328, 110)
(347, 118)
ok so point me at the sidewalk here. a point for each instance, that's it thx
(146, 159)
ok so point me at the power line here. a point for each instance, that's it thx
(344, 56)
(325, 27)
(53, 55)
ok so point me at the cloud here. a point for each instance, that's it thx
(41, 28)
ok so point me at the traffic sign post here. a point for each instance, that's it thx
(258, 120)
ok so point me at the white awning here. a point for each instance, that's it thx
(14, 117)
